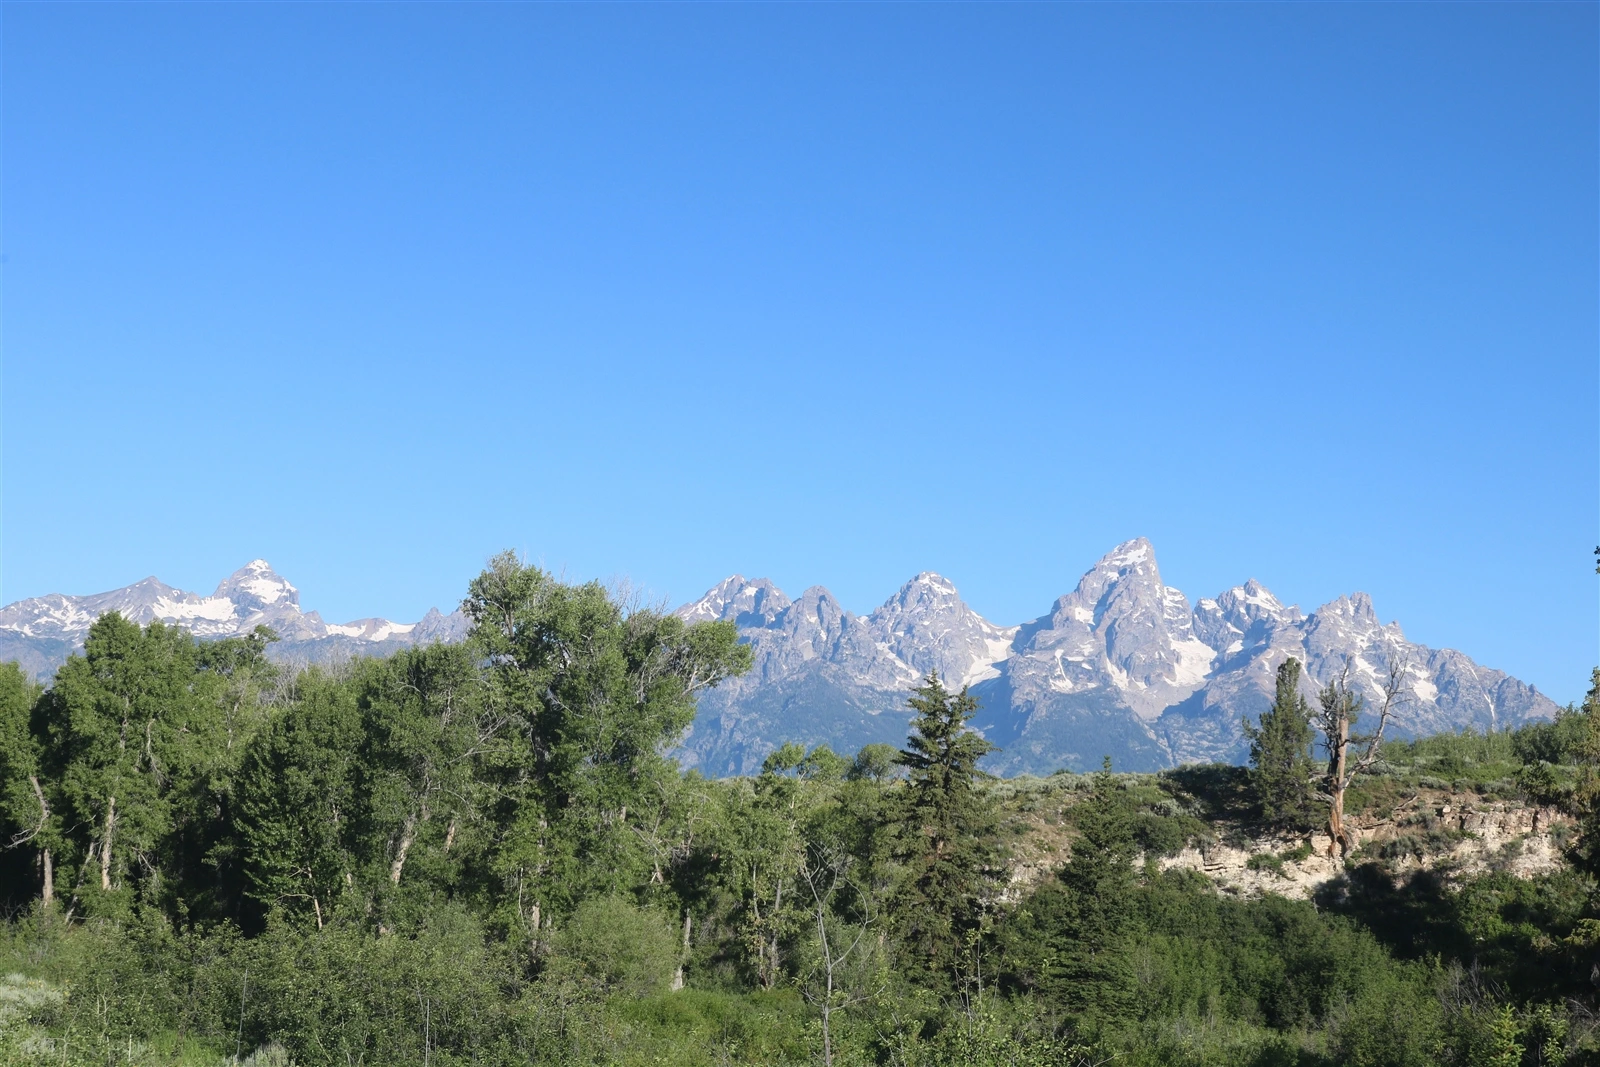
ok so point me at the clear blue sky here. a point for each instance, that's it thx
(828, 293)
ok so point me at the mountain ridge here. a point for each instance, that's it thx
(40, 632)
(1120, 666)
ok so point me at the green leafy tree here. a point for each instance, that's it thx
(1585, 851)
(762, 844)
(874, 763)
(128, 726)
(236, 685)
(26, 819)
(425, 725)
(947, 830)
(591, 691)
(1280, 755)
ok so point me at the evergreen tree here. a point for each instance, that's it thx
(1280, 755)
(947, 831)
(1072, 943)
(297, 808)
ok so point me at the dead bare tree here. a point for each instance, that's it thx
(1340, 707)
(826, 872)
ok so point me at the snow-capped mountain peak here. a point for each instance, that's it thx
(256, 587)
(41, 631)
(738, 599)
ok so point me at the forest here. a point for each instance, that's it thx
(482, 853)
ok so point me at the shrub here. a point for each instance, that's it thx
(622, 947)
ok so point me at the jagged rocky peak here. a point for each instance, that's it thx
(257, 587)
(1121, 630)
(1242, 618)
(740, 600)
(1350, 622)
(1245, 605)
(818, 615)
(927, 592)
(1354, 611)
(1128, 567)
(928, 627)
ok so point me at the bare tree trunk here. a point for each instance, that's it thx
(827, 994)
(1339, 706)
(677, 977)
(450, 836)
(1337, 837)
(407, 835)
(777, 906)
(105, 843)
(49, 890)
(318, 909)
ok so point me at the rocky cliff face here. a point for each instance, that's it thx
(1120, 666)
(1460, 834)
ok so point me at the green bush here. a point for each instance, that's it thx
(622, 947)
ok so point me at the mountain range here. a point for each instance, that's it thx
(41, 632)
(1121, 666)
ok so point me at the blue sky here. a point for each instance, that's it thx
(827, 293)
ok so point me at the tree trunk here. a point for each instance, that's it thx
(105, 843)
(49, 891)
(407, 835)
(777, 906)
(1336, 833)
(677, 977)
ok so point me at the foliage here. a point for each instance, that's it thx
(1280, 755)
(946, 834)
(617, 945)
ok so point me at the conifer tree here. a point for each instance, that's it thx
(947, 828)
(1072, 944)
(1280, 755)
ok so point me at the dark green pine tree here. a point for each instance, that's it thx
(947, 833)
(1280, 755)
(1071, 945)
